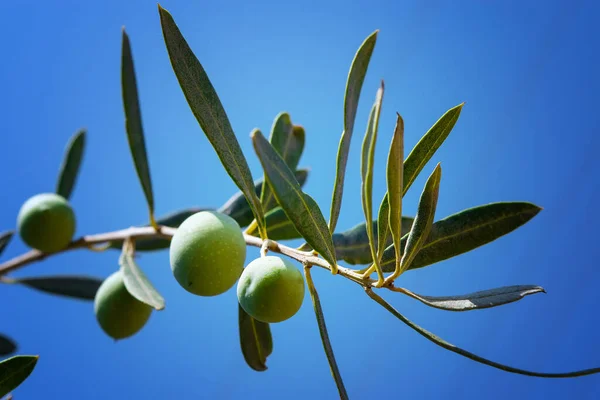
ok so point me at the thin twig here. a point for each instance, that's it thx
(165, 232)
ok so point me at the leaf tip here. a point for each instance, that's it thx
(254, 133)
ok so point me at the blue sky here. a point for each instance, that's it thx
(528, 132)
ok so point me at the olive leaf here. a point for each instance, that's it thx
(14, 371)
(300, 208)
(383, 226)
(466, 231)
(7, 345)
(448, 346)
(423, 219)
(69, 169)
(237, 206)
(5, 239)
(352, 245)
(288, 141)
(133, 124)
(356, 77)
(335, 372)
(394, 175)
(428, 145)
(255, 340)
(366, 169)
(478, 300)
(279, 226)
(208, 110)
(136, 282)
(79, 287)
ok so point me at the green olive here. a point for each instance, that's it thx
(207, 253)
(271, 289)
(46, 222)
(119, 314)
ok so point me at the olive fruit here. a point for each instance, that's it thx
(119, 314)
(46, 222)
(207, 253)
(271, 289)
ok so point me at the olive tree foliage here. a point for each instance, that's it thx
(208, 246)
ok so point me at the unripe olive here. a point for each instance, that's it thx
(119, 314)
(271, 289)
(207, 253)
(46, 222)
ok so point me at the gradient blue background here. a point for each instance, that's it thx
(528, 72)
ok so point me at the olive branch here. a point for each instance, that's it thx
(277, 208)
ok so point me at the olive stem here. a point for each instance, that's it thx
(165, 232)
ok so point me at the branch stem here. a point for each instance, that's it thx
(90, 242)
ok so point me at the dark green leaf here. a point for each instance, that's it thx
(424, 218)
(208, 110)
(279, 226)
(394, 174)
(7, 345)
(448, 346)
(67, 176)
(354, 83)
(466, 231)
(79, 287)
(335, 372)
(478, 300)
(288, 141)
(300, 208)
(255, 340)
(428, 145)
(133, 123)
(137, 283)
(5, 239)
(366, 168)
(173, 220)
(14, 371)
(237, 206)
(352, 245)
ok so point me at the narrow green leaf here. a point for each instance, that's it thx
(208, 110)
(69, 169)
(352, 245)
(300, 208)
(79, 287)
(448, 346)
(237, 206)
(14, 371)
(366, 168)
(428, 145)
(138, 284)
(133, 123)
(255, 340)
(335, 372)
(279, 226)
(395, 171)
(466, 231)
(383, 226)
(424, 218)
(356, 77)
(288, 141)
(7, 345)
(478, 300)
(5, 239)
